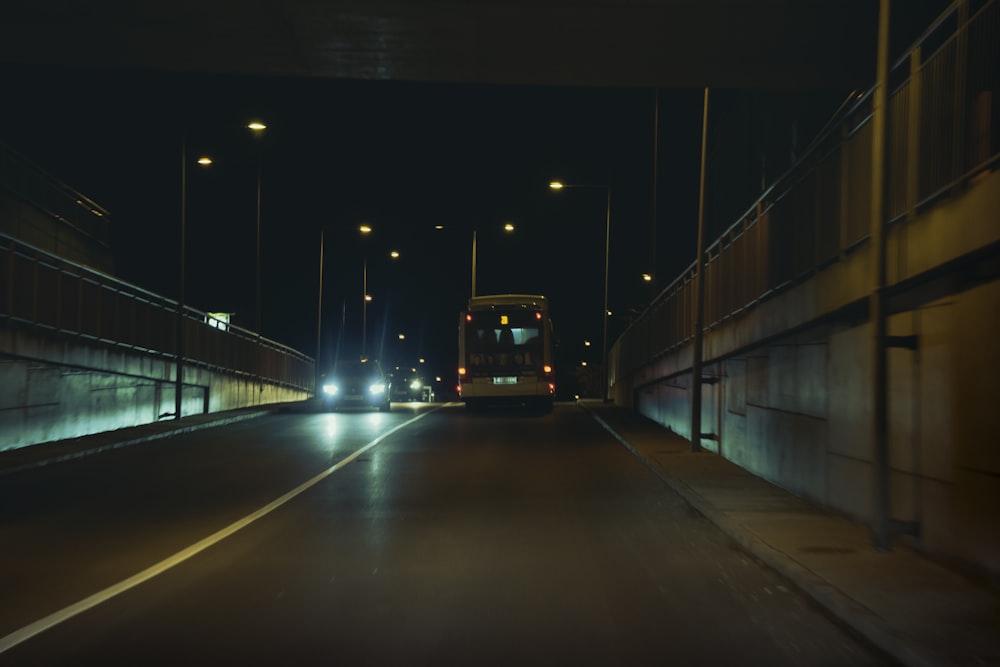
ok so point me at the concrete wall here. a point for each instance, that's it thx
(54, 387)
(792, 401)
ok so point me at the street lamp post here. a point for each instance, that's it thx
(365, 298)
(319, 306)
(699, 298)
(319, 312)
(365, 230)
(179, 377)
(257, 128)
(507, 227)
(557, 185)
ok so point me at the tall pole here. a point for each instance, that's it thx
(473, 262)
(319, 305)
(364, 307)
(340, 334)
(179, 379)
(699, 301)
(607, 254)
(656, 180)
(259, 169)
(257, 127)
(883, 537)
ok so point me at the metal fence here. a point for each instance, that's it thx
(943, 121)
(67, 299)
(78, 220)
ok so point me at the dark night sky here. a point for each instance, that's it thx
(402, 157)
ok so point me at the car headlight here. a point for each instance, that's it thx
(377, 388)
(331, 389)
(415, 385)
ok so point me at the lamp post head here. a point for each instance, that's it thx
(556, 185)
(256, 126)
(365, 229)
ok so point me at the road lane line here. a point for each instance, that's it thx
(66, 613)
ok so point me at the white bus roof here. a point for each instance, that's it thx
(492, 300)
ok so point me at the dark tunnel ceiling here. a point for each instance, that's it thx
(666, 43)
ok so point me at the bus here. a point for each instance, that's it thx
(505, 352)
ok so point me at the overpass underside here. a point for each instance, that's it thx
(789, 342)
(668, 43)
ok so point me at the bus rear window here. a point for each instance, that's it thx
(503, 330)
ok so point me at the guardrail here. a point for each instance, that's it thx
(67, 299)
(944, 129)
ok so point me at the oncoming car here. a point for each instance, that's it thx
(356, 384)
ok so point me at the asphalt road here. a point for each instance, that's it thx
(422, 536)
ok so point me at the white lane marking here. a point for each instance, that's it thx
(66, 613)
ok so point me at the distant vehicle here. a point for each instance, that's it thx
(409, 385)
(505, 352)
(356, 384)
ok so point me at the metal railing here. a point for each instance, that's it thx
(944, 128)
(79, 219)
(46, 292)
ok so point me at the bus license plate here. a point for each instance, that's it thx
(505, 380)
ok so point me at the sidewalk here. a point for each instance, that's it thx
(915, 610)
